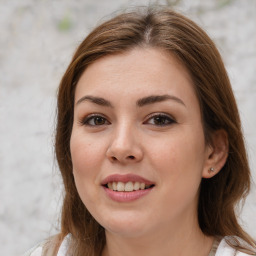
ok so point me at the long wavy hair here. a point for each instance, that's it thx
(159, 28)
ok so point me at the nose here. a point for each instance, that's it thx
(124, 146)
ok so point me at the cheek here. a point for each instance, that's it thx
(180, 159)
(175, 151)
(83, 159)
(86, 159)
(85, 153)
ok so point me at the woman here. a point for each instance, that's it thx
(149, 144)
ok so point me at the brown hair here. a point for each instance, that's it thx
(167, 30)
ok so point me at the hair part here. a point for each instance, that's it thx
(164, 29)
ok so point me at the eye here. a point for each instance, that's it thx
(160, 120)
(95, 120)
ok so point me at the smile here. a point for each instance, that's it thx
(128, 186)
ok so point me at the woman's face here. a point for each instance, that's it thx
(137, 127)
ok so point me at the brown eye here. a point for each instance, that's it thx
(160, 120)
(95, 121)
(98, 120)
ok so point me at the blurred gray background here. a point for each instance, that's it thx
(38, 38)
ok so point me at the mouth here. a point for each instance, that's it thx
(126, 183)
(129, 186)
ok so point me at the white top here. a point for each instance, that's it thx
(226, 250)
(223, 249)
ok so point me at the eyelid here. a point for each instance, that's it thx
(161, 114)
(84, 120)
(88, 117)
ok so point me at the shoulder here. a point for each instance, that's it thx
(49, 247)
(35, 251)
(225, 249)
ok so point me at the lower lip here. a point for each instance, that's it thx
(126, 196)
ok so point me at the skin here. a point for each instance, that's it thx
(127, 138)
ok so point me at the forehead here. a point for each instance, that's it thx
(136, 72)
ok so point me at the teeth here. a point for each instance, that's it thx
(128, 186)
(142, 185)
(114, 186)
(120, 186)
(110, 186)
(136, 185)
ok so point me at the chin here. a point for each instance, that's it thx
(125, 225)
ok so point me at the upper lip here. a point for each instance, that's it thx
(126, 178)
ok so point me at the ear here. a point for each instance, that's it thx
(216, 154)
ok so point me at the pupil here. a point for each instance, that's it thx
(160, 120)
(99, 120)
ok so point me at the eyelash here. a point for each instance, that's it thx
(87, 119)
(164, 118)
(168, 120)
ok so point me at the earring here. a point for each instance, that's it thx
(211, 170)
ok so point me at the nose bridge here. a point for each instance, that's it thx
(124, 143)
(123, 137)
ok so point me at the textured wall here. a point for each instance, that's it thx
(37, 40)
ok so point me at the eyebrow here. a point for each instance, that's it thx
(97, 100)
(140, 103)
(158, 98)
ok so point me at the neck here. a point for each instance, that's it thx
(178, 240)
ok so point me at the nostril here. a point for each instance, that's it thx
(114, 158)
